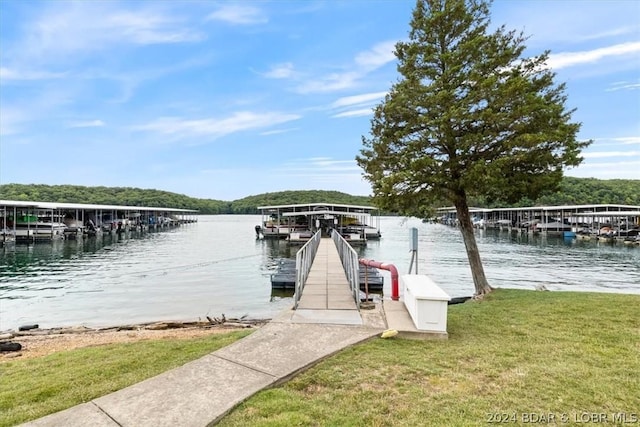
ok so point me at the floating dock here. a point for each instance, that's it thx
(285, 276)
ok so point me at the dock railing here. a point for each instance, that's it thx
(349, 259)
(304, 261)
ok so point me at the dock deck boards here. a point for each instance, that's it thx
(327, 287)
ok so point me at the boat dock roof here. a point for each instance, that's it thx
(306, 209)
(85, 206)
(587, 210)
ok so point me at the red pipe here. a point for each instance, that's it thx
(395, 292)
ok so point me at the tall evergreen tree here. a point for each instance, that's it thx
(468, 117)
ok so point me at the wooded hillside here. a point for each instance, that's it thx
(574, 191)
(142, 197)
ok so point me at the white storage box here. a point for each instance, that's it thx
(426, 302)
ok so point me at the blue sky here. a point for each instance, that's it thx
(226, 99)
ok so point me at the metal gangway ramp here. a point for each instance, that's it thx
(327, 295)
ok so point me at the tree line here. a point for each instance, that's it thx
(574, 191)
(128, 196)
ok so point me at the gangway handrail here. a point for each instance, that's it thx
(349, 258)
(304, 261)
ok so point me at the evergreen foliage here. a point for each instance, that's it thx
(469, 117)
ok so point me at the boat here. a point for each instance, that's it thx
(299, 237)
(7, 236)
(74, 228)
(606, 235)
(628, 234)
(585, 234)
(39, 231)
(554, 227)
(276, 230)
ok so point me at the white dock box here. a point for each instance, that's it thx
(426, 302)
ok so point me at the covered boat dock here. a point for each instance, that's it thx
(31, 221)
(298, 223)
(586, 219)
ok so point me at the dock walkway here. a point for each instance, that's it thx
(327, 287)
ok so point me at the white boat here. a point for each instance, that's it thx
(74, 229)
(299, 237)
(39, 230)
(7, 236)
(366, 231)
(271, 230)
(554, 227)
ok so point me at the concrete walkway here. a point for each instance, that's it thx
(203, 391)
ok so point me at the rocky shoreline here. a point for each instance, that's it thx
(32, 341)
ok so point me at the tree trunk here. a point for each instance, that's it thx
(466, 227)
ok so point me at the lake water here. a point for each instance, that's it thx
(217, 266)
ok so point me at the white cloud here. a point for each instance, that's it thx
(356, 105)
(364, 63)
(321, 165)
(605, 154)
(628, 140)
(381, 54)
(280, 71)
(609, 33)
(277, 131)
(330, 83)
(624, 140)
(569, 59)
(623, 86)
(7, 74)
(87, 124)
(150, 28)
(238, 14)
(355, 113)
(86, 27)
(358, 99)
(557, 22)
(216, 128)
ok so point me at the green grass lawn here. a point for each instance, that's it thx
(32, 388)
(515, 356)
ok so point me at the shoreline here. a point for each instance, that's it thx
(36, 342)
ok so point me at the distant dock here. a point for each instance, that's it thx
(298, 223)
(33, 221)
(603, 222)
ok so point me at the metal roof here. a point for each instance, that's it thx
(610, 207)
(310, 205)
(85, 206)
(325, 212)
(609, 213)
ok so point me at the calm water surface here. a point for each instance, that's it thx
(217, 266)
